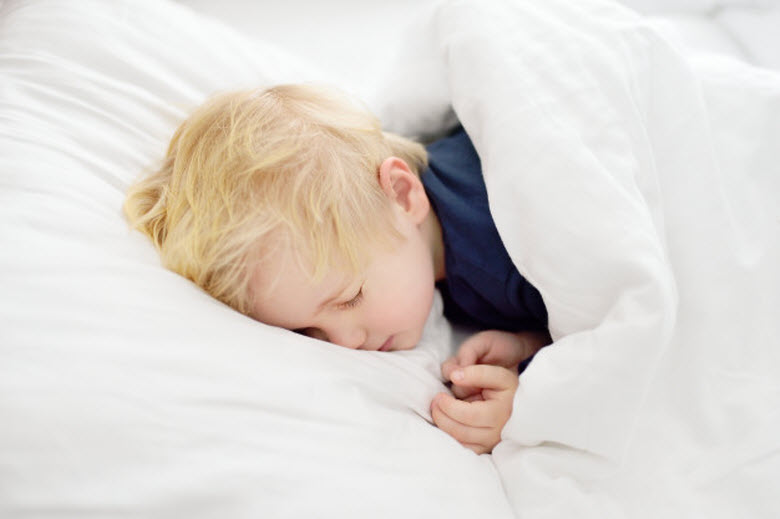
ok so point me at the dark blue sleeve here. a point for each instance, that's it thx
(483, 288)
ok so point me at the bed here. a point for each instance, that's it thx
(125, 391)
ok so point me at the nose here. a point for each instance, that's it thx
(352, 337)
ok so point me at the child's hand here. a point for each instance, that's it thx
(493, 347)
(477, 422)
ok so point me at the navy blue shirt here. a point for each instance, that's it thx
(482, 288)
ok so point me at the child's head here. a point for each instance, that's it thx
(260, 184)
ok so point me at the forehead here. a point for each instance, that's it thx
(284, 292)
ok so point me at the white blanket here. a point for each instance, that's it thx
(638, 190)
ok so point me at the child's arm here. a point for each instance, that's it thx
(477, 422)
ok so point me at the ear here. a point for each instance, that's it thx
(404, 187)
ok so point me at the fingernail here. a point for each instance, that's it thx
(457, 374)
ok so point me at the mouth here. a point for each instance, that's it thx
(387, 344)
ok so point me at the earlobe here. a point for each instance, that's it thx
(404, 187)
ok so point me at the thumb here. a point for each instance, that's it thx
(485, 376)
(470, 352)
(448, 366)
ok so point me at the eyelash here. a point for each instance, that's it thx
(352, 303)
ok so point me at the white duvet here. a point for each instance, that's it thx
(638, 190)
(635, 187)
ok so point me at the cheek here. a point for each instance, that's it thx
(423, 298)
(407, 310)
(405, 287)
(414, 297)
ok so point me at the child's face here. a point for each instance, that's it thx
(382, 308)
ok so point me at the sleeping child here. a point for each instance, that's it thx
(291, 205)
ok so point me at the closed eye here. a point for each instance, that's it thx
(352, 303)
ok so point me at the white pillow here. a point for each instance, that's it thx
(124, 389)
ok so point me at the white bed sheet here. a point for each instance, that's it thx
(124, 390)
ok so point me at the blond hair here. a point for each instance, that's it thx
(247, 167)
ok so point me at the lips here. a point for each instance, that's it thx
(387, 344)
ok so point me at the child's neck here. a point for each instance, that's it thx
(431, 229)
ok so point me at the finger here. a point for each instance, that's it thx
(485, 376)
(454, 363)
(463, 433)
(473, 349)
(459, 391)
(457, 432)
(448, 366)
(474, 414)
(464, 392)
(470, 352)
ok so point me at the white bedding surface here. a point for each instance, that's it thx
(368, 30)
(125, 391)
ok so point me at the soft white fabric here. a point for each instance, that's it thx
(124, 390)
(755, 31)
(354, 39)
(369, 29)
(637, 189)
(693, 6)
